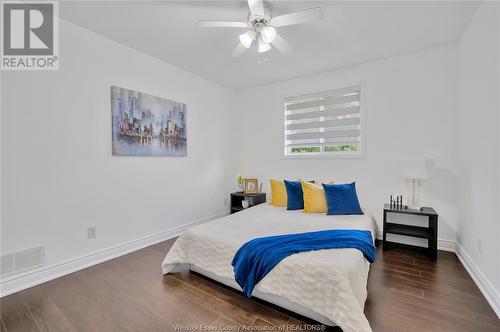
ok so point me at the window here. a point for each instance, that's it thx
(325, 124)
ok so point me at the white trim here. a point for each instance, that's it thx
(445, 245)
(18, 282)
(483, 283)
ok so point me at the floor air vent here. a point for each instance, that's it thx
(22, 260)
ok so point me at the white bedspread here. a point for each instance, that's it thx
(331, 283)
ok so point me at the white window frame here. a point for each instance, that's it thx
(329, 155)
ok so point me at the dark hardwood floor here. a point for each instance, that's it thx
(406, 292)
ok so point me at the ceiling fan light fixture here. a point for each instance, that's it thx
(247, 38)
(263, 46)
(261, 27)
(268, 34)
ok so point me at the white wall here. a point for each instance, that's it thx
(479, 147)
(58, 170)
(410, 112)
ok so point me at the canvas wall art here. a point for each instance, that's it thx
(145, 125)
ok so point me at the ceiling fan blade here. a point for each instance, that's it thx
(282, 45)
(222, 24)
(238, 51)
(256, 7)
(298, 17)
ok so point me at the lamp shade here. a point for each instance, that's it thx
(268, 34)
(416, 171)
(247, 38)
(263, 46)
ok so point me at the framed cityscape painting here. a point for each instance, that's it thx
(145, 125)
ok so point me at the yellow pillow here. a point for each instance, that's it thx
(278, 193)
(314, 198)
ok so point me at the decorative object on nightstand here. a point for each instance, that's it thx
(430, 232)
(414, 200)
(240, 184)
(238, 199)
(251, 186)
(396, 202)
(415, 175)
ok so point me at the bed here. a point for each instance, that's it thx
(328, 286)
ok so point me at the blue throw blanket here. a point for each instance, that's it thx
(256, 258)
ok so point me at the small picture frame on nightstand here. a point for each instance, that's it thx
(251, 186)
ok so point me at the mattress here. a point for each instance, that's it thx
(328, 286)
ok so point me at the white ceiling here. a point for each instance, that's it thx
(350, 33)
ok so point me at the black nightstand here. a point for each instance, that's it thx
(430, 233)
(253, 199)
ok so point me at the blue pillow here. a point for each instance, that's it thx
(295, 196)
(342, 199)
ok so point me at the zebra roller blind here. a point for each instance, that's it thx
(324, 124)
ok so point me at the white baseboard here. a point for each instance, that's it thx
(29, 279)
(482, 282)
(445, 245)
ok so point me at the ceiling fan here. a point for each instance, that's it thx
(262, 27)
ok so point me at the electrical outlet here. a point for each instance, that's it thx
(225, 201)
(480, 244)
(91, 232)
